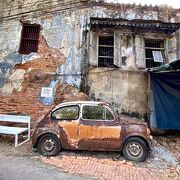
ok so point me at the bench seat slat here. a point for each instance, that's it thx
(12, 130)
(16, 131)
(14, 118)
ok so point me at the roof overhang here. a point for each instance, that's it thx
(135, 24)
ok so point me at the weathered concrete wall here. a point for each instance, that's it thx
(57, 64)
(62, 58)
(63, 32)
(125, 90)
(21, 91)
(127, 11)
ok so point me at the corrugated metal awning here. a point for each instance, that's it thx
(136, 23)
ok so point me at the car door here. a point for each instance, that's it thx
(67, 118)
(98, 129)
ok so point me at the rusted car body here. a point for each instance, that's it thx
(89, 125)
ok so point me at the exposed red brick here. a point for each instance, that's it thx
(39, 74)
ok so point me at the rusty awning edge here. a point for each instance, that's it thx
(141, 23)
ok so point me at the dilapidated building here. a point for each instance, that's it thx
(54, 51)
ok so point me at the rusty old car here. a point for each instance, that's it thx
(91, 125)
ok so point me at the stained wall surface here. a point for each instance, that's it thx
(62, 60)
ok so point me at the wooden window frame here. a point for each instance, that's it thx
(105, 46)
(94, 49)
(25, 40)
(160, 49)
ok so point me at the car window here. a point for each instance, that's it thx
(96, 113)
(68, 112)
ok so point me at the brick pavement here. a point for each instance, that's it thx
(105, 168)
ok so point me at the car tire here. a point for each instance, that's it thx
(49, 145)
(135, 149)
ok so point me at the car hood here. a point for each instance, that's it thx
(124, 119)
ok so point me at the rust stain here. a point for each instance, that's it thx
(99, 137)
(124, 119)
(131, 130)
(70, 129)
(92, 135)
(99, 132)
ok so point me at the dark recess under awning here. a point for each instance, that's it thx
(168, 28)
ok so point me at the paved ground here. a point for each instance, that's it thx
(163, 163)
(104, 168)
(21, 168)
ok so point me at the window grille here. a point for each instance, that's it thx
(106, 51)
(154, 48)
(29, 39)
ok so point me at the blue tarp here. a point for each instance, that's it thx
(166, 89)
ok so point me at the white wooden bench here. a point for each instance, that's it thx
(9, 130)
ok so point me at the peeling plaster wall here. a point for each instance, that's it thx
(125, 90)
(127, 11)
(63, 33)
(56, 64)
(22, 89)
(7, 65)
(10, 34)
(62, 58)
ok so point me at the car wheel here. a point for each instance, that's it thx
(135, 149)
(49, 145)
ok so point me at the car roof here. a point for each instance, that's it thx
(80, 102)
